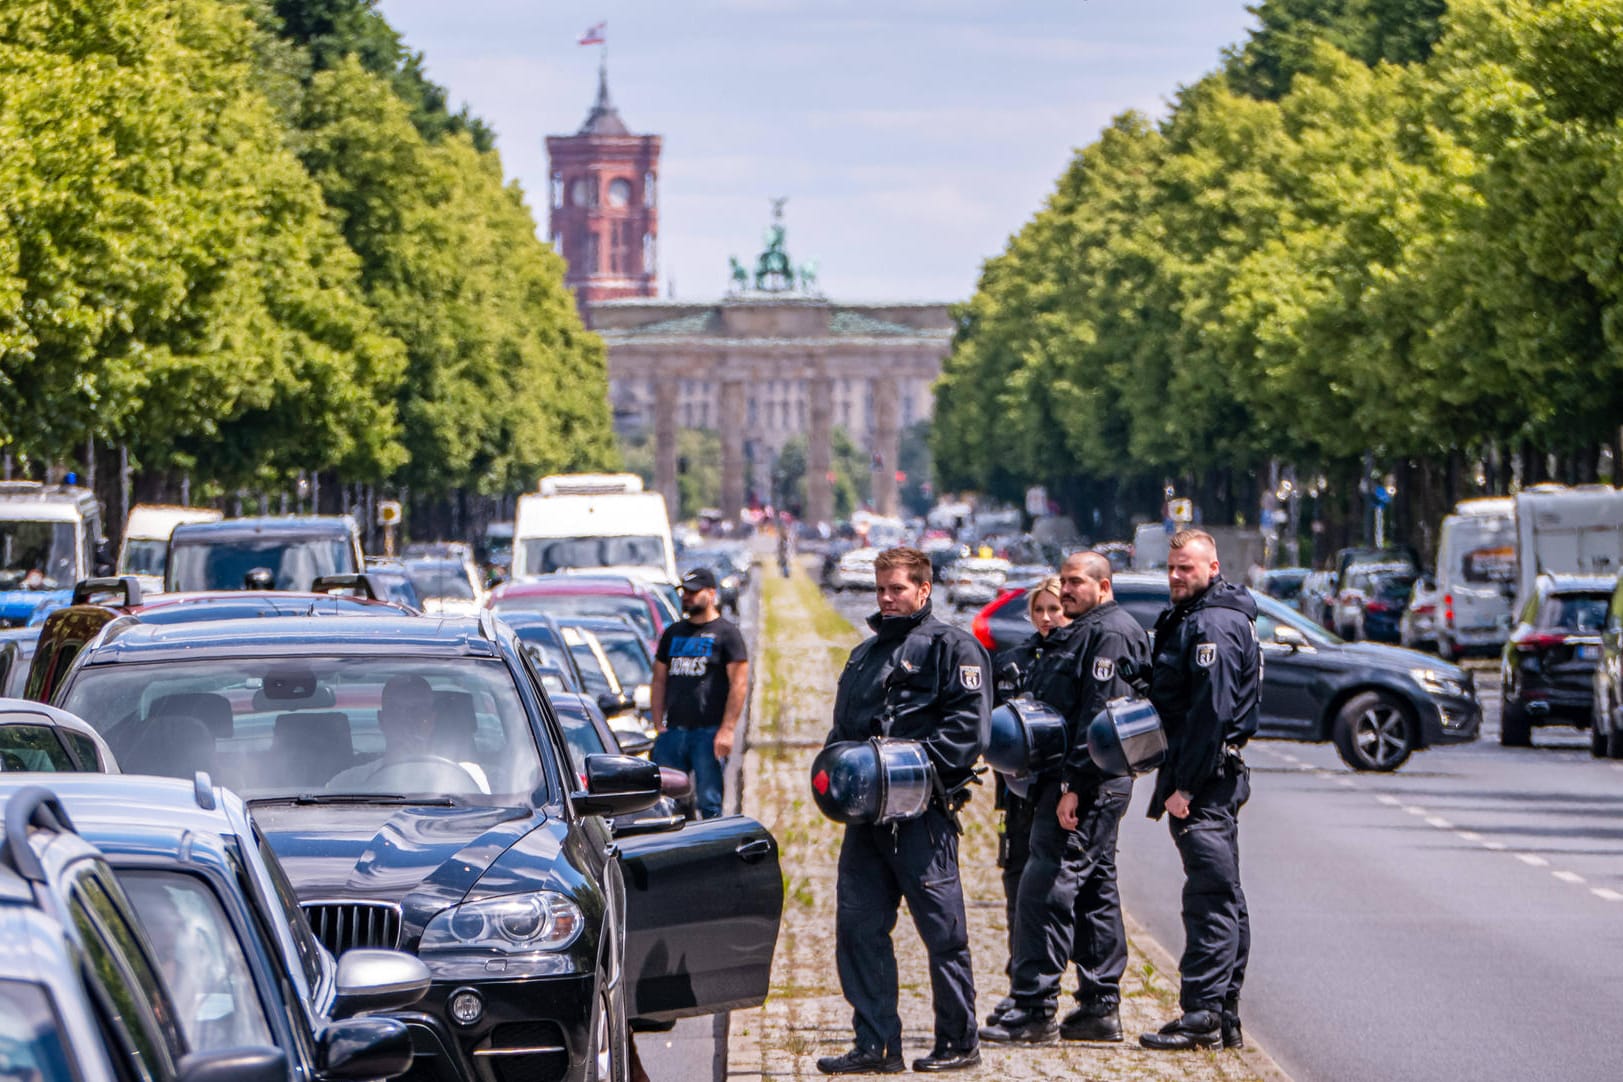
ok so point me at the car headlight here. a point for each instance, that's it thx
(519, 935)
(730, 582)
(1436, 683)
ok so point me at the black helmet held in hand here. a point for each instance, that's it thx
(1027, 738)
(1125, 739)
(882, 780)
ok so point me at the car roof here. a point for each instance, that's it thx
(444, 636)
(1580, 584)
(136, 813)
(236, 528)
(570, 584)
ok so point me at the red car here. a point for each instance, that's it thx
(588, 595)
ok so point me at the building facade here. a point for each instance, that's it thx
(604, 200)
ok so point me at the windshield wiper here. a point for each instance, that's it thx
(362, 798)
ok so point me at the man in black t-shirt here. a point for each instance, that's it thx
(701, 678)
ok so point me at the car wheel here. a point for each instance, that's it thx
(1614, 741)
(1374, 732)
(1446, 649)
(609, 1058)
(1597, 740)
(1515, 731)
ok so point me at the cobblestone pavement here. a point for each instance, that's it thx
(802, 646)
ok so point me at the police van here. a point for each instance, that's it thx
(49, 535)
(593, 522)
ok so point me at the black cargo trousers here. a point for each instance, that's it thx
(1070, 904)
(1013, 847)
(1216, 924)
(879, 866)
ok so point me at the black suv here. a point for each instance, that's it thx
(413, 777)
(81, 990)
(286, 552)
(231, 943)
(1547, 669)
(1379, 704)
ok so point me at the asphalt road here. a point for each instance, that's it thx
(1461, 918)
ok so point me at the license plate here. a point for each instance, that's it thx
(1588, 652)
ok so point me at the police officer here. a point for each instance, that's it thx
(1205, 684)
(915, 679)
(1069, 906)
(1014, 668)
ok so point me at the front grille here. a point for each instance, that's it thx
(342, 925)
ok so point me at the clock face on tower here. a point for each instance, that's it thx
(580, 192)
(619, 192)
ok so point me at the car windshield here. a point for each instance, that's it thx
(440, 578)
(1581, 614)
(1271, 614)
(201, 958)
(31, 1047)
(627, 655)
(1393, 587)
(36, 555)
(630, 606)
(544, 555)
(1285, 585)
(143, 557)
(222, 565)
(397, 727)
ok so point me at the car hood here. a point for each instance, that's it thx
(1397, 659)
(385, 853)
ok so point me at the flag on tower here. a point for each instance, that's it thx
(596, 34)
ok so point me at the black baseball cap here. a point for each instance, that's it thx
(700, 578)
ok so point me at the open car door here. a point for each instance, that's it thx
(703, 902)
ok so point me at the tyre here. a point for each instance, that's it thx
(1597, 740)
(1446, 649)
(1614, 741)
(1374, 731)
(609, 1058)
(1515, 730)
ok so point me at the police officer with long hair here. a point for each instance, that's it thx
(916, 679)
(1014, 668)
(1069, 906)
(1206, 686)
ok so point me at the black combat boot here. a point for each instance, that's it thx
(1004, 1006)
(863, 1061)
(1093, 1021)
(1196, 1029)
(946, 1057)
(1022, 1025)
(1232, 1037)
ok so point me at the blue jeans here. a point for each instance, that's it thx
(693, 751)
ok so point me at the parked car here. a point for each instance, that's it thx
(627, 654)
(1547, 669)
(624, 706)
(585, 595)
(729, 581)
(1280, 583)
(290, 552)
(854, 570)
(81, 988)
(17, 645)
(42, 739)
(446, 585)
(1370, 601)
(1379, 704)
(1421, 623)
(1316, 599)
(230, 941)
(388, 580)
(483, 854)
(1606, 717)
(973, 580)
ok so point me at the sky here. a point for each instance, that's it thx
(911, 137)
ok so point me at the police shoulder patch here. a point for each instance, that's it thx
(970, 677)
(1205, 654)
(1103, 668)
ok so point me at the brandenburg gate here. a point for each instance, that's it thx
(772, 360)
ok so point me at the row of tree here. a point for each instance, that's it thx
(246, 240)
(1386, 237)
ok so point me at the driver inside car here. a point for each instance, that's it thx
(406, 715)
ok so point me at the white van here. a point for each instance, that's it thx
(1476, 575)
(593, 521)
(145, 547)
(1561, 530)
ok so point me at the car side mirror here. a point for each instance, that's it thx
(612, 702)
(617, 785)
(253, 1063)
(378, 980)
(642, 697)
(1285, 635)
(633, 742)
(364, 1048)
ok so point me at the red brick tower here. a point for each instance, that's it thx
(605, 205)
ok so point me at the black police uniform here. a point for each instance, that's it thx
(1206, 686)
(1069, 905)
(1013, 668)
(934, 682)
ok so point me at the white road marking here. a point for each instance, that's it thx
(1569, 877)
(1346, 783)
(1468, 835)
(1439, 822)
(1535, 861)
(1495, 846)
(1415, 809)
(1389, 801)
(1608, 895)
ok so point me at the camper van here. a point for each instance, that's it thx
(1561, 530)
(1476, 576)
(593, 521)
(145, 547)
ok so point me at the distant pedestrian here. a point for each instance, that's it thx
(701, 679)
(921, 680)
(1206, 686)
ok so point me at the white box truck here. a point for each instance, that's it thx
(145, 548)
(1476, 575)
(593, 521)
(1574, 531)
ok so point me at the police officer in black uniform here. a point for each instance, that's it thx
(1206, 684)
(1069, 906)
(926, 681)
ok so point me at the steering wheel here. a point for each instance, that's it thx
(417, 769)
